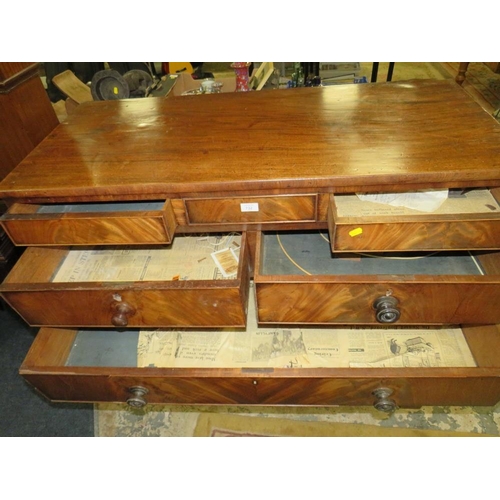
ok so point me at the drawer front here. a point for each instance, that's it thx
(122, 386)
(389, 232)
(29, 290)
(261, 209)
(414, 236)
(155, 306)
(27, 225)
(344, 302)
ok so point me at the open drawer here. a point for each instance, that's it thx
(298, 280)
(124, 223)
(466, 220)
(104, 366)
(179, 285)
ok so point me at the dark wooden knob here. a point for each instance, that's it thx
(136, 399)
(383, 402)
(122, 312)
(386, 309)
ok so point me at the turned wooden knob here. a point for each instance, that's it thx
(122, 312)
(386, 309)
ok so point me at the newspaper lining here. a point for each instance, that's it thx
(304, 347)
(188, 258)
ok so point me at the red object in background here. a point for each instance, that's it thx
(241, 70)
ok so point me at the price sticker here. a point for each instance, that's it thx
(249, 207)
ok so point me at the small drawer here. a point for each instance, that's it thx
(95, 366)
(126, 223)
(252, 209)
(176, 286)
(299, 280)
(468, 220)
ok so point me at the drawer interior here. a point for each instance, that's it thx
(86, 208)
(186, 259)
(267, 349)
(309, 253)
(458, 202)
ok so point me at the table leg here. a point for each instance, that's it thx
(462, 69)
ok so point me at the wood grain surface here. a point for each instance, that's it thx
(254, 209)
(324, 300)
(26, 113)
(397, 135)
(109, 228)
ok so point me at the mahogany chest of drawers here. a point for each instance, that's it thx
(275, 167)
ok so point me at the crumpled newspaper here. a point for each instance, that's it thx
(424, 201)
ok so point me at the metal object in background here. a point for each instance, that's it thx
(139, 82)
(374, 76)
(109, 85)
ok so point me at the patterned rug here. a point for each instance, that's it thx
(113, 420)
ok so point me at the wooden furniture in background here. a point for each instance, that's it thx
(26, 113)
(259, 163)
(261, 75)
(462, 70)
(73, 88)
(26, 117)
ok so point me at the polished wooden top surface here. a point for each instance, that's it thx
(337, 138)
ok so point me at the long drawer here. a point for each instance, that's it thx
(126, 223)
(130, 288)
(298, 280)
(53, 368)
(465, 221)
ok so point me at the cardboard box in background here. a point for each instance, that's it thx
(338, 70)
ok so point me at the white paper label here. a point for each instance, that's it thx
(249, 207)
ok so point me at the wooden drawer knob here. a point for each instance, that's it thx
(386, 309)
(383, 402)
(122, 312)
(136, 400)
